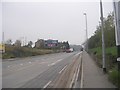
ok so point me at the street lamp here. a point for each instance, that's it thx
(103, 41)
(86, 32)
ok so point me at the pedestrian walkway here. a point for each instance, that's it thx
(93, 76)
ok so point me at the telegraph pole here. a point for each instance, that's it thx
(103, 42)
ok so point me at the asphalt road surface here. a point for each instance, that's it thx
(34, 72)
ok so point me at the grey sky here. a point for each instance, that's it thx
(51, 20)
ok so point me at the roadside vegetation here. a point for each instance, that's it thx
(14, 52)
(95, 48)
(17, 50)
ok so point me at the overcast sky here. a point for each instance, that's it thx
(63, 21)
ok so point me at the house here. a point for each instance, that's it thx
(50, 43)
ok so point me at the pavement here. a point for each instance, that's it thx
(0, 71)
(92, 75)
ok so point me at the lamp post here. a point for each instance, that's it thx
(86, 32)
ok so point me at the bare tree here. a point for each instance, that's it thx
(30, 43)
(8, 42)
(18, 43)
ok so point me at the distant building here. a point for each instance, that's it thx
(51, 43)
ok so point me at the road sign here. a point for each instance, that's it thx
(2, 48)
(117, 21)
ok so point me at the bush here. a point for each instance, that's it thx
(8, 55)
(114, 76)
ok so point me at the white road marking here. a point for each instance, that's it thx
(78, 53)
(47, 84)
(60, 60)
(30, 62)
(11, 66)
(72, 80)
(23, 67)
(55, 62)
(51, 64)
(63, 69)
(78, 72)
(10, 59)
(21, 64)
(81, 82)
(43, 62)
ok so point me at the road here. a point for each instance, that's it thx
(60, 70)
(35, 72)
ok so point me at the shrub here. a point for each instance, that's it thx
(114, 76)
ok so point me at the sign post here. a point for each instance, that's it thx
(117, 33)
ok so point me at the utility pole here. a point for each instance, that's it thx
(2, 37)
(86, 32)
(103, 42)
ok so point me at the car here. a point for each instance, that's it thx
(69, 50)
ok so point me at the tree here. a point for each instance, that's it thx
(66, 45)
(30, 43)
(8, 42)
(109, 33)
(39, 43)
(18, 43)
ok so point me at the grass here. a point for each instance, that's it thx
(114, 76)
(13, 52)
(109, 51)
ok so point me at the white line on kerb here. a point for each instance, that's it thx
(47, 84)
(63, 69)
